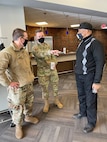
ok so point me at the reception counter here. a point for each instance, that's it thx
(67, 57)
(66, 63)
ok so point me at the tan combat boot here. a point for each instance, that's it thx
(31, 119)
(19, 132)
(46, 106)
(58, 103)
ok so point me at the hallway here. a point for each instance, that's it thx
(58, 125)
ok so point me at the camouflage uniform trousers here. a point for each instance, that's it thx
(21, 102)
(45, 81)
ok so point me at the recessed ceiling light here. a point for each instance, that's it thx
(41, 23)
(75, 25)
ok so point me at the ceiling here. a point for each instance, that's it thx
(57, 16)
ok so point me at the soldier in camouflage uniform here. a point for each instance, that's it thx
(16, 75)
(46, 70)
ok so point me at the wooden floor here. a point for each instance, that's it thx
(58, 125)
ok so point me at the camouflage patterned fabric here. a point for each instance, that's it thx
(15, 67)
(45, 74)
(20, 101)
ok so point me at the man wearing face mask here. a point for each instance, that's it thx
(17, 76)
(90, 60)
(46, 69)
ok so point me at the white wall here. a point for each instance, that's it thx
(86, 4)
(10, 18)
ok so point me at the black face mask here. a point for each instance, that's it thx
(41, 40)
(25, 43)
(79, 36)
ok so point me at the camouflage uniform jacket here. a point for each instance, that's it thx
(43, 58)
(15, 66)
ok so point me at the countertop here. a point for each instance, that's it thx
(70, 56)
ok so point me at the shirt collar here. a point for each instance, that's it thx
(14, 46)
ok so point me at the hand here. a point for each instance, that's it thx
(96, 86)
(14, 85)
(55, 52)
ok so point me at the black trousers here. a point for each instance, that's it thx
(87, 99)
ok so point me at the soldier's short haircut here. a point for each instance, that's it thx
(38, 31)
(18, 33)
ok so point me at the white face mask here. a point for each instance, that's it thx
(79, 36)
